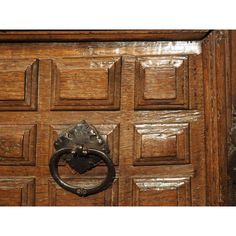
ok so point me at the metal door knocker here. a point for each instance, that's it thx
(82, 148)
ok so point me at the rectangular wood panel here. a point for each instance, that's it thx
(19, 83)
(60, 197)
(161, 191)
(163, 143)
(12, 86)
(18, 144)
(15, 191)
(86, 83)
(161, 82)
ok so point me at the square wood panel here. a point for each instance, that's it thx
(154, 191)
(109, 132)
(16, 191)
(60, 197)
(19, 84)
(162, 143)
(161, 82)
(18, 144)
(87, 83)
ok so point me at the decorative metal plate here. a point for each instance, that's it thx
(84, 135)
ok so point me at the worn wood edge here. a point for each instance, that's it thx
(218, 115)
(228, 117)
(232, 121)
(99, 35)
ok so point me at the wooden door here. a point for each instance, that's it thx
(147, 100)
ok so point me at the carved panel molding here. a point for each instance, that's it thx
(161, 191)
(60, 197)
(161, 82)
(87, 83)
(19, 84)
(15, 191)
(18, 144)
(163, 143)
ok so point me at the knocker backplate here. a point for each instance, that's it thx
(81, 134)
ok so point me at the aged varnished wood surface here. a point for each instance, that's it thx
(218, 113)
(232, 143)
(154, 102)
(100, 35)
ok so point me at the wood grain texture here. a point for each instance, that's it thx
(169, 154)
(161, 192)
(19, 83)
(232, 122)
(16, 90)
(18, 144)
(86, 83)
(100, 35)
(59, 197)
(216, 79)
(15, 191)
(157, 81)
(162, 143)
(161, 82)
(98, 49)
(120, 140)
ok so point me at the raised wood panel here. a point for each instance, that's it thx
(87, 83)
(163, 143)
(84, 84)
(59, 197)
(153, 191)
(157, 145)
(12, 86)
(110, 133)
(18, 144)
(161, 82)
(19, 79)
(15, 191)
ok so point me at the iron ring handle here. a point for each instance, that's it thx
(82, 192)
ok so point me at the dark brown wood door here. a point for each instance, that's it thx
(145, 98)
